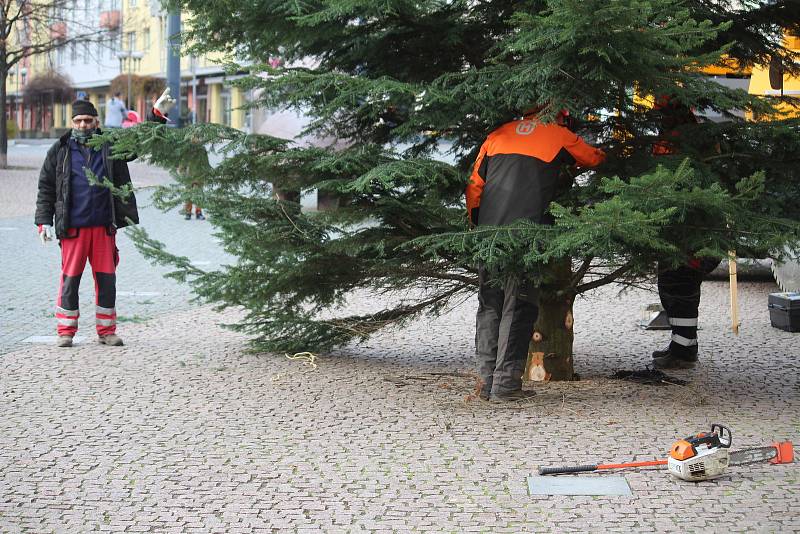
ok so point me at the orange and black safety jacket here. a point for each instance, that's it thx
(517, 171)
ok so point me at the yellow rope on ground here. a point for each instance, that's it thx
(308, 358)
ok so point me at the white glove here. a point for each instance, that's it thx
(164, 102)
(45, 233)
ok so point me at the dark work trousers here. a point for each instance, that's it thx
(506, 315)
(679, 290)
(98, 245)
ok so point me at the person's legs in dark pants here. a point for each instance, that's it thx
(679, 290)
(503, 332)
(490, 309)
(514, 337)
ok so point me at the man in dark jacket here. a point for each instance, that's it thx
(86, 216)
(516, 176)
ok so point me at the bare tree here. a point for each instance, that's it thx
(34, 27)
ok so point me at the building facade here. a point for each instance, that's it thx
(125, 50)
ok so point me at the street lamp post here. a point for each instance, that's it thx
(130, 55)
(193, 64)
(174, 64)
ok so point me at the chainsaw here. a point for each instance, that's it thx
(703, 456)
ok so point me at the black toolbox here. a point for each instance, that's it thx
(784, 311)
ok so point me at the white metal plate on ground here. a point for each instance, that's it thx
(578, 485)
(51, 339)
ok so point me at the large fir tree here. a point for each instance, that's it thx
(409, 87)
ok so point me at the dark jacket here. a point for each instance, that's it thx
(90, 205)
(517, 170)
(53, 200)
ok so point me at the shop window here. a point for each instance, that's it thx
(226, 107)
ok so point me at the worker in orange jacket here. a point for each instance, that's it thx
(515, 177)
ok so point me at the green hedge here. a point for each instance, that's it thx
(11, 128)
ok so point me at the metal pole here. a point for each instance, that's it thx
(194, 90)
(174, 65)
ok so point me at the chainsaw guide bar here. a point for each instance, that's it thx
(753, 456)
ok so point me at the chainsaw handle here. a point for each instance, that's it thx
(566, 469)
(724, 433)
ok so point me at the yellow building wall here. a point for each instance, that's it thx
(759, 82)
(150, 39)
(237, 114)
(138, 22)
(151, 36)
(215, 102)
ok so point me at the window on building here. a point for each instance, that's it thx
(226, 107)
(131, 3)
(131, 41)
(60, 55)
(113, 45)
(73, 53)
(85, 52)
(162, 49)
(146, 40)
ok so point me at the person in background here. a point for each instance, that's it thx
(116, 112)
(198, 211)
(131, 120)
(679, 287)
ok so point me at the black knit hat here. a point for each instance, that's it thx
(83, 107)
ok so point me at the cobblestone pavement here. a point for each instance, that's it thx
(183, 430)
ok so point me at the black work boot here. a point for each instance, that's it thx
(675, 358)
(513, 396)
(660, 353)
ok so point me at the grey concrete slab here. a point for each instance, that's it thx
(579, 485)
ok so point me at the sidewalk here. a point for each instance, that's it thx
(184, 430)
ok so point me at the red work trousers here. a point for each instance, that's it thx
(98, 245)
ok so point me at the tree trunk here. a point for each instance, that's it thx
(550, 351)
(4, 125)
(286, 194)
